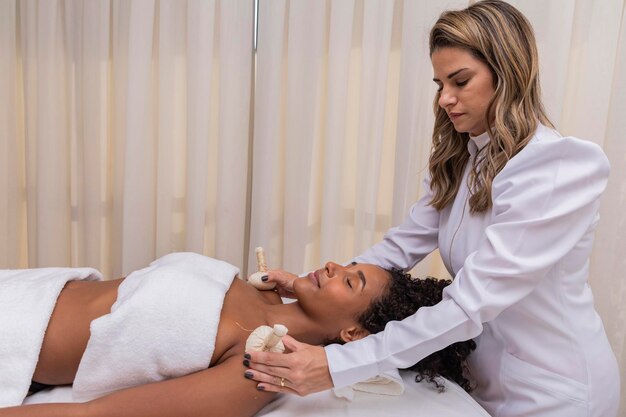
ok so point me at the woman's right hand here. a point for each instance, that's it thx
(284, 282)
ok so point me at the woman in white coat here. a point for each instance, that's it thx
(512, 206)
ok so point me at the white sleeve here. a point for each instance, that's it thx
(404, 246)
(544, 201)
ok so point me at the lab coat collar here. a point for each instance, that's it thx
(476, 143)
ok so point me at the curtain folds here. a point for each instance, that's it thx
(342, 124)
(129, 129)
(126, 132)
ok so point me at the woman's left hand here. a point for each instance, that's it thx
(303, 371)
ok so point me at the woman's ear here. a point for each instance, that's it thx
(352, 333)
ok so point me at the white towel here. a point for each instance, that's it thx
(163, 325)
(388, 383)
(27, 299)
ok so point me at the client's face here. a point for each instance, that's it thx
(335, 295)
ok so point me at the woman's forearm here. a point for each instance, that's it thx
(45, 410)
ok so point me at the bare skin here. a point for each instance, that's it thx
(81, 302)
(219, 390)
(304, 363)
(66, 338)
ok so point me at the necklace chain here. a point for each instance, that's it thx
(243, 328)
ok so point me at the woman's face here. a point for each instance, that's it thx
(335, 295)
(466, 86)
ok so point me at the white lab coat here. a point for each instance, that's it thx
(520, 287)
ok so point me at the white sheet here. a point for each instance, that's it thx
(419, 400)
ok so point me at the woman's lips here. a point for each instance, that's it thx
(314, 278)
(453, 116)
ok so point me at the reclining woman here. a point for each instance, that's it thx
(335, 303)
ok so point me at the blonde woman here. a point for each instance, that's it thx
(512, 206)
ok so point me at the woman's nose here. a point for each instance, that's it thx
(446, 99)
(332, 268)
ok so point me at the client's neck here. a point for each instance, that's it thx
(301, 326)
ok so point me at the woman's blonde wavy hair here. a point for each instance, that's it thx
(500, 36)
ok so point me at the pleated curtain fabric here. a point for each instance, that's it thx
(342, 120)
(125, 131)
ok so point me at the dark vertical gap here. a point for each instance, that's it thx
(247, 243)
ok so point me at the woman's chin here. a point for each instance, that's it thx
(302, 287)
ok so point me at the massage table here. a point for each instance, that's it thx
(418, 400)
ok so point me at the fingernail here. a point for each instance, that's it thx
(246, 362)
(260, 387)
(248, 374)
(247, 356)
(264, 278)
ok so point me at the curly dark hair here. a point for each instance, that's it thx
(404, 296)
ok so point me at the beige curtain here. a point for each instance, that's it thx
(343, 117)
(124, 131)
(342, 120)
(125, 128)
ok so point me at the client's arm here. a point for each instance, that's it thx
(218, 391)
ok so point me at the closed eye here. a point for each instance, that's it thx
(349, 283)
(458, 84)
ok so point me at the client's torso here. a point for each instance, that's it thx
(67, 334)
(81, 302)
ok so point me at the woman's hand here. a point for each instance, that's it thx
(303, 371)
(284, 282)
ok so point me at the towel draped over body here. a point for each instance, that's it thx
(162, 325)
(27, 299)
